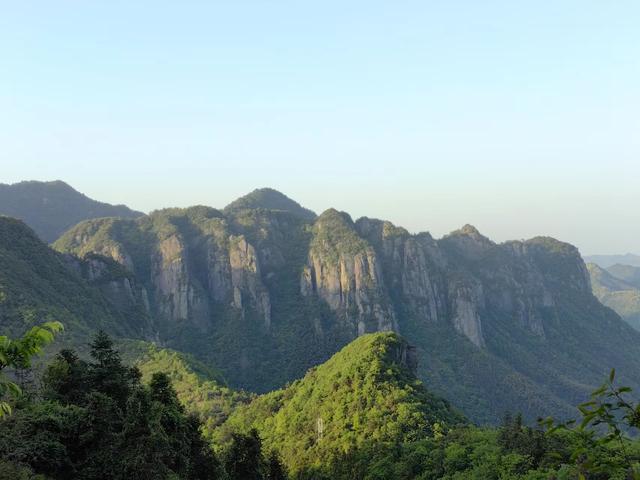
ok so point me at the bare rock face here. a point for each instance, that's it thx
(177, 295)
(467, 300)
(404, 354)
(412, 267)
(213, 268)
(246, 278)
(344, 271)
(187, 260)
(219, 283)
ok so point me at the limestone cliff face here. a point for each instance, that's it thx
(187, 260)
(246, 278)
(467, 280)
(231, 276)
(344, 271)
(430, 288)
(467, 301)
(374, 276)
(412, 266)
(178, 297)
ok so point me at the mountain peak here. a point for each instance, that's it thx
(469, 230)
(52, 207)
(270, 199)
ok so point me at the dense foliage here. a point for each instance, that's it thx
(17, 355)
(201, 390)
(365, 393)
(96, 419)
(270, 199)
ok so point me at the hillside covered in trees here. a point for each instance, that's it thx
(100, 418)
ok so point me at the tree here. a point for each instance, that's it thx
(162, 391)
(243, 459)
(65, 378)
(609, 421)
(18, 353)
(107, 374)
(97, 420)
(273, 467)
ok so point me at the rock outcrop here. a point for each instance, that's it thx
(345, 272)
(187, 260)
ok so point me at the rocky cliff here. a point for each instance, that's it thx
(265, 293)
(344, 271)
(186, 260)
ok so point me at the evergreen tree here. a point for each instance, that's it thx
(98, 421)
(274, 469)
(243, 460)
(107, 374)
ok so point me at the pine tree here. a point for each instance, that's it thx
(243, 460)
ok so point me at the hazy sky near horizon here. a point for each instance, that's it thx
(522, 118)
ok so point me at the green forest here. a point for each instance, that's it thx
(160, 418)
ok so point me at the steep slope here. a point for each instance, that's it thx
(37, 284)
(270, 199)
(265, 295)
(606, 261)
(525, 323)
(616, 293)
(50, 208)
(343, 270)
(223, 287)
(365, 393)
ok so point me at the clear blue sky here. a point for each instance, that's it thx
(522, 118)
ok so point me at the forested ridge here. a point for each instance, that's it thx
(100, 418)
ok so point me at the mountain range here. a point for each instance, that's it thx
(265, 289)
(606, 261)
(618, 287)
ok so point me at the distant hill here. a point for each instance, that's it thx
(628, 273)
(367, 392)
(606, 261)
(270, 199)
(617, 293)
(51, 208)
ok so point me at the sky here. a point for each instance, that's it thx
(521, 118)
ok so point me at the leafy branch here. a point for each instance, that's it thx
(18, 354)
